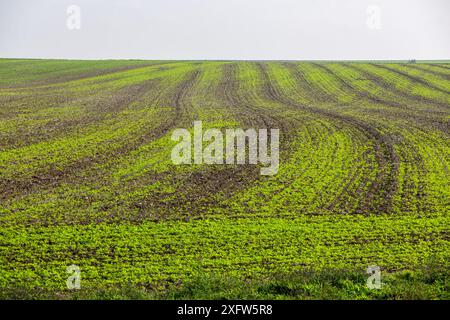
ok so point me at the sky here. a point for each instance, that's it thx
(226, 29)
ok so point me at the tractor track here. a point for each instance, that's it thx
(442, 75)
(42, 180)
(385, 184)
(411, 78)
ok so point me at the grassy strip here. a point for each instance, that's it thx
(428, 283)
(167, 252)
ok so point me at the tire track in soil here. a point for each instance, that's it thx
(319, 96)
(411, 78)
(289, 102)
(37, 92)
(91, 74)
(382, 83)
(260, 116)
(413, 157)
(408, 190)
(51, 178)
(360, 94)
(271, 93)
(339, 200)
(201, 191)
(423, 118)
(440, 66)
(316, 93)
(442, 75)
(384, 186)
(99, 110)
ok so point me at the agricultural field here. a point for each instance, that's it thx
(86, 179)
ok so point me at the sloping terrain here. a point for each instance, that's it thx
(86, 176)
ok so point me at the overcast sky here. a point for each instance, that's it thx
(226, 29)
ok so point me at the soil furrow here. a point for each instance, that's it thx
(95, 113)
(440, 66)
(382, 83)
(384, 186)
(314, 92)
(361, 94)
(74, 172)
(74, 77)
(441, 75)
(200, 191)
(411, 78)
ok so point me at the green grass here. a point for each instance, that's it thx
(430, 284)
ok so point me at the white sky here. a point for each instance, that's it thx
(226, 29)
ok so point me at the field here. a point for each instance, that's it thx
(86, 179)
